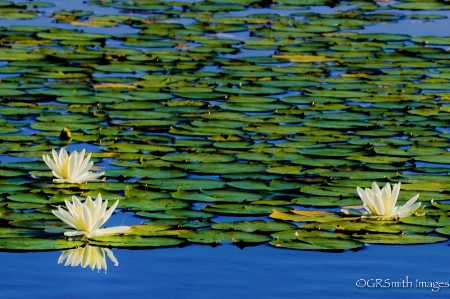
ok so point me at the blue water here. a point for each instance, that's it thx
(229, 272)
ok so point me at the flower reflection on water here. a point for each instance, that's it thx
(92, 256)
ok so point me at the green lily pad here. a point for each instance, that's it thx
(320, 244)
(184, 184)
(241, 209)
(305, 216)
(221, 168)
(136, 241)
(219, 236)
(37, 244)
(153, 173)
(216, 196)
(198, 158)
(252, 226)
(399, 239)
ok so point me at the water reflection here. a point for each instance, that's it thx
(92, 256)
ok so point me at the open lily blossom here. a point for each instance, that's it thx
(92, 256)
(73, 168)
(381, 202)
(87, 218)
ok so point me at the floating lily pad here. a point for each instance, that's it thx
(136, 241)
(184, 184)
(154, 173)
(305, 216)
(400, 239)
(36, 244)
(219, 236)
(216, 196)
(198, 158)
(252, 226)
(241, 209)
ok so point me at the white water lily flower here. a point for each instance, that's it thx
(92, 256)
(381, 202)
(87, 218)
(71, 169)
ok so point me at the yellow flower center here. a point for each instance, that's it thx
(387, 211)
(65, 169)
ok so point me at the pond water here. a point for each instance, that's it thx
(202, 271)
(227, 271)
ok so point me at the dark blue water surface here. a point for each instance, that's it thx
(229, 272)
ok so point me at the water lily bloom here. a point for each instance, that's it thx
(87, 218)
(73, 168)
(381, 202)
(92, 256)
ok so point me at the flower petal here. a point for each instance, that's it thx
(65, 217)
(110, 211)
(111, 231)
(394, 196)
(73, 233)
(409, 207)
(378, 204)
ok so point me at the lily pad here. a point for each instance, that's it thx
(400, 239)
(37, 244)
(136, 241)
(219, 236)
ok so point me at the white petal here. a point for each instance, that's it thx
(58, 175)
(378, 204)
(62, 158)
(110, 211)
(84, 168)
(409, 207)
(111, 231)
(375, 188)
(79, 161)
(75, 206)
(87, 219)
(364, 196)
(73, 233)
(56, 157)
(49, 162)
(72, 166)
(394, 196)
(65, 217)
(385, 199)
(98, 205)
(84, 163)
(91, 176)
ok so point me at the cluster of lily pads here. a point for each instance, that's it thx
(87, 218)
(213, 127)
